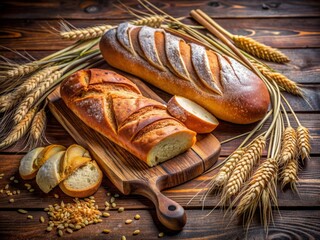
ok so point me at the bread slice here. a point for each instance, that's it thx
(48, 175)
(26, 168)
(192, 115)
(46, 153)
(83, 182)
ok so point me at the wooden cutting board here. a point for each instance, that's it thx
(132, 176)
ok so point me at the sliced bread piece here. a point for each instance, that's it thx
(192, 115)
(48, 175)
(46, 153)
(83, 182)
(26, 168)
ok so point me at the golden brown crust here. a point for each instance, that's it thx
(245, 98)
(119, 115)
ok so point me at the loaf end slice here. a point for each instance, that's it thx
(83, 182)
(26, 168)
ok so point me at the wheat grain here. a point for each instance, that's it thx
(36, 79)
(289, 174)
(35, 95)
(243, 168)
(19, 130)
(38, 126)
(289, 146)
(304, 147)
(259, 50)
(282, 81)
(220, 179)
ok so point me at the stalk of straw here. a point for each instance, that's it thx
(250, 45)
(19, 130)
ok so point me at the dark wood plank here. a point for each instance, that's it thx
(279, 33)
(308, 187)
(299, 224)
(77, 9)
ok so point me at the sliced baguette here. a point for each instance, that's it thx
(60, 166)
(26, 168)
(192, 115)
(46, 153)
(48, 175)
(83, 182)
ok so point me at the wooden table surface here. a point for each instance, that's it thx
(292, 26)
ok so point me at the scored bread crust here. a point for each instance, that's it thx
(192, 120)
(82, 192)
(114, 106)
(220, 84)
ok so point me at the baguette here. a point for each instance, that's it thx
(112, 105)
(192, 115)
(218, 83)
(83, 182)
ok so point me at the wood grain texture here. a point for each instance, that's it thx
(279, 33)
(77, 9)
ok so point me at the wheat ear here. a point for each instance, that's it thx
(10, 100)
(220, 179)
(259, 50)
(35, 95)
(19, 130)
(243, 168)
(22, 70)
(37, 127)
(282, 81)
(289, 174)
(289, 146)
(262, 182)
(152, 21)
(304, 147)
(85, 33)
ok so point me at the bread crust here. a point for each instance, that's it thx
(243, 97)
(117, 114)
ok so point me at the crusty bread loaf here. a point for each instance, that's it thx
(112, 105)
(83, 182)
(220, 84)
(192, 115)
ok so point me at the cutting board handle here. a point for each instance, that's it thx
(170, 213)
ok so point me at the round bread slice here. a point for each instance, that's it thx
(83, 182)
(26, 168)
(192, 115)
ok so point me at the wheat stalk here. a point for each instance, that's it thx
(19, 130)
(243, 168)
(282, 81)
(259, 50)
(22, 70)
(261, 183)
(304, 147)
(85, 33)
(38, 126)
(289, 174)
(35, 95)
(152, 21)
(289, 146)
(220, 179)
(10, 100)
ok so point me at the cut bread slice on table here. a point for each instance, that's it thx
(60, 166)
(31, 162)
(192, 115)
(83, 182)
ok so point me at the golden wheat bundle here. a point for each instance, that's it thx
(259, 50)
(243, 168)
(304, 147)
(289, 174)
(289, 146)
